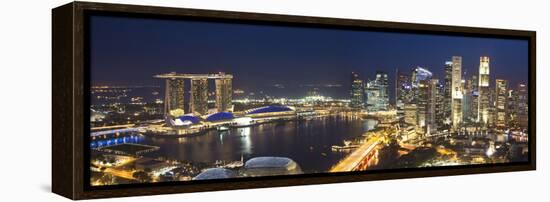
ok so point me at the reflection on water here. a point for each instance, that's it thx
(117, 140)
(306, 142)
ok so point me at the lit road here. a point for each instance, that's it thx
(352, 161)
(113, 127)
(120, 173)
(123, 130)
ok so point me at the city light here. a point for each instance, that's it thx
(212, 108)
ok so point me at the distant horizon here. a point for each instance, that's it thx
(129, 51)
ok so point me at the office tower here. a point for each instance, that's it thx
(456, 91)
(466, 99)
(432, 106)
(484, 92)
(447, 93)
(439, 105)
(402, 91)
(199, 96)
(377, 93)
(501, 91)
(474, 95)
(173, 96)
(426, 105)
(422, 104)
(357, 92)
(418, 74)
(224, 92)
(512, 107)
(523, 111)
(410, 114)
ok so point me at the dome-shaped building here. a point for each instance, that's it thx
(215, 173)
(272, 110)
(269, 165)
(220, 116)
(185, 120)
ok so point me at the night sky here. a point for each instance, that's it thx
(129, 51)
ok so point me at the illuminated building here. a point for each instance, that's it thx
(410, 114)
(419, 74)
(512, 107)
(522, 112)
(473, 93)
(440, 105)
(271, 111)
(357, 92)
(223, 95)
(432, 106)
(215, 173)
(426, 105)
(173, 96)
(402, 91)
(377, 93)
(484, 92)
(268, 165)
(420, 83)
(422, 104)
(456, 92)
(198, 102)
(500, 104)
(447, 93)
(466, 99)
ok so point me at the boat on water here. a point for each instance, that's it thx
(346, 147)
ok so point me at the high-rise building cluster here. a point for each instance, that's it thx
(198, 98)
(371, 95)
(456, 102)
(357, 92)
(377, 93)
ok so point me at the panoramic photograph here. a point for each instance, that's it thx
(186, 100)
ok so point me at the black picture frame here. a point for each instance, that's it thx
(71, 84)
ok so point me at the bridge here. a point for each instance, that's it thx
(107, 130)
(361, 158)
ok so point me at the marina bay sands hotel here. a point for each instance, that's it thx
(198, 98)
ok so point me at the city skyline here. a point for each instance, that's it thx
(208, 100)
(191, 47)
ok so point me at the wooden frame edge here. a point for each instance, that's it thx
(68, 90)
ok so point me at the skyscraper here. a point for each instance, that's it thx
(439, 105)
(456, 91)
(512, 108)
(447, 92)
(174, 93)
(427, 105)
(474, 96)
(419, 74)
(199, 96)
(421, 78)
(402, 91)
(224, 93)
(484, 92)
(411, 114)
(432, 106)
(466, 99)
(501, 91)
(357, 92)
(523, 110)
(198, 102)
(377, 93)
